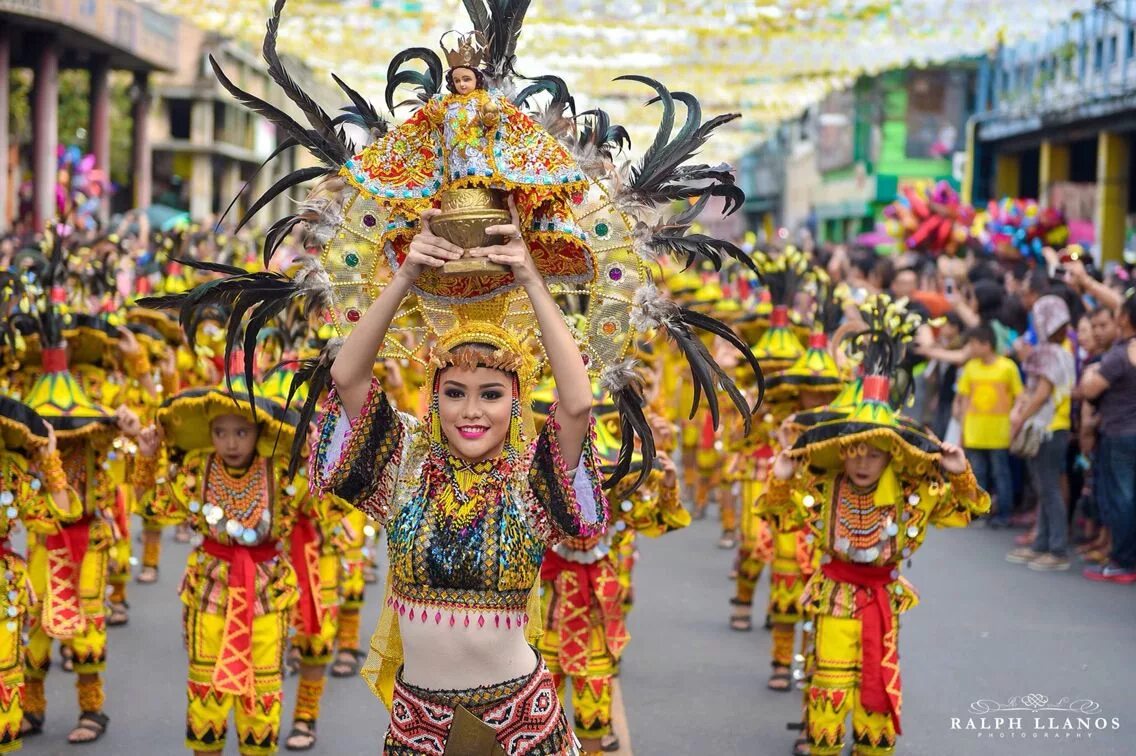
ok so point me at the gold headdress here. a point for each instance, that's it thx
(469, 51)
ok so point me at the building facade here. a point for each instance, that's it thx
(898, 127)
(206, 145)
(1055, 120)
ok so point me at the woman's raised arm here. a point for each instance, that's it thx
(352, 370)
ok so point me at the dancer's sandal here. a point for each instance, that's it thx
(32, 724)
(119, 613)
(347, 662)
(92, 726)
(301, 738)
(781, 674)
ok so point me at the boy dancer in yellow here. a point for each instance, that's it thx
(582, 595)
(33, 490)
(239, 587)
(864, 487)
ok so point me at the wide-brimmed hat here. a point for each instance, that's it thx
(186, 418)
(815, 370)
(59, 399)
(21, 429)
(872, 421)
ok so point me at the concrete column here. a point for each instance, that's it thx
(1007, 175)
(142, 158)
(201, 181)
(1053, 167)
(1112, 194)
(6, 193)
(99, 126)
(45, 131)
(230, 182)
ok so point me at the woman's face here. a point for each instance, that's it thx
(474, 408)
(465, 80)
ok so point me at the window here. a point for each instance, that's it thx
(180, 116)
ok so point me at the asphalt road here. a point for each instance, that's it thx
(985, 630)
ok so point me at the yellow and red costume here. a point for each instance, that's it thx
(582, 591)
(69, 568)
(864, 536)
(27, 481)
(239, 586)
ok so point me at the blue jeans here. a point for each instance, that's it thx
(1116, 495)
(1052, 515)
(992, 468)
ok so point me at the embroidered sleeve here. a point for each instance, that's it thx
(784, 503)
(176, 490)
(960, 499)
(359, 461)
(652, 510)
(31, 497)
(572, 501)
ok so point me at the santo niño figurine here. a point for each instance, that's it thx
(467, 151)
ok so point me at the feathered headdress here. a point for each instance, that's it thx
(608, 213)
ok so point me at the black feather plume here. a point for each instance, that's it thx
(632, 424)
(428, 82)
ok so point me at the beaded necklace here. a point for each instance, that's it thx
(242, 498)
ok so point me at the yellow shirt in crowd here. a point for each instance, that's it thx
(991, 389)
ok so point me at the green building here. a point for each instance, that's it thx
(885, 131)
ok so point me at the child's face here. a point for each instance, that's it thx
(980, 349)
(465, 80)
(234, 439)
(865, 469)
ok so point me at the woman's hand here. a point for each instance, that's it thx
(514, 252)
(953, 460)
(784, 466)
(427, 250)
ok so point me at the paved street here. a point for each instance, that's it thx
(985, 630)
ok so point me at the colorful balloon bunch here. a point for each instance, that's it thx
(930, 218)
(81, 186)
(1016, 229)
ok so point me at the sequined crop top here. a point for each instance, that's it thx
(465, 542)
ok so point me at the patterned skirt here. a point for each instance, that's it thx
(525, 712)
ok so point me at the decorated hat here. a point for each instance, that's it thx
(871, 422)
(815, 370)
(21, 429)
(158, 320)
(871, 418)
(61, 401)
(187, 417)
(778, 348)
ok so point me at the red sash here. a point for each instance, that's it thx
(880, 687)
(575, 585)
(233, 672)
(305, 549)
(62, 611)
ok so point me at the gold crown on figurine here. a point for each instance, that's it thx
(468, 51)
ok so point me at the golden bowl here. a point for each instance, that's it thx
(466, 213)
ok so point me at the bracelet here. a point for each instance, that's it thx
(145, 473)
(51, 469)
(137, 363)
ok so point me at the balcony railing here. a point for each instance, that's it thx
(1090, 58)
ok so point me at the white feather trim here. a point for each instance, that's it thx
(650, 308)
(620, 376)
